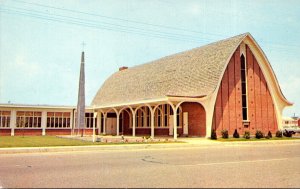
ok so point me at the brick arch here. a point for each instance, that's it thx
(228, 106)
(196, 118)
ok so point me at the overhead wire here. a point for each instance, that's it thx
(129, 29)
(95, 24)
(119, 19)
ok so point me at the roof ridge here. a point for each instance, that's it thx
(178, 53)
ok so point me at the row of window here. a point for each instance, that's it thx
(33, 119)
(29, 119)
(58, 119)
(161, 117)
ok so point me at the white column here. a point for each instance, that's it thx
(175, 123)
(13, 121)
(118, 123)
(104, 123)
(44, 122)
(133, 123)
(72, 118)
(209, 113)
(99, 122)
(152, 123)
(94, 121)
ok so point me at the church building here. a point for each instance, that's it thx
(225, 85)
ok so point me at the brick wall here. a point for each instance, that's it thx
(58, 131)
(5, 132)
(228, 107)
(28, 132)
(196, 118)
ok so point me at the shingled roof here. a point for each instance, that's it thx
(192, 73)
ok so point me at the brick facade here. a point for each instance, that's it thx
(196, 118)
(5, 132)
(28, 132)
(228, 107)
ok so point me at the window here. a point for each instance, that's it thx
(148, 121)
(89, 120)
(166, 116)
(58, 119)
(161, 117)
(137, 118)
(178, 118)
(244, 88)
(4, 119)
(158, 117)
(29, 119)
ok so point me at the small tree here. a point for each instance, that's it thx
(259, 134)
(247, 135)
(213, 135)
(224, 133)
(236, 134)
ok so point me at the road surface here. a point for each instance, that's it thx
(214, 166)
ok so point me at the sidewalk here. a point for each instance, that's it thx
(185, 143)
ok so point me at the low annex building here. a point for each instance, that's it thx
(228, 85)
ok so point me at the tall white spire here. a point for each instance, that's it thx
(81, 97)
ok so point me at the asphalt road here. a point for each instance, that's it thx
(227, 166)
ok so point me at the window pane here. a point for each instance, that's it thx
(244, 101)
(242, 62)
(166, 120)
(8, 122)
(243, 75)
(158, 120)
(243, 88)
(245, 114)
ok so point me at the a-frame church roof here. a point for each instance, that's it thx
(192, 73)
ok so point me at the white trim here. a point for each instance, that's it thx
(133, 103)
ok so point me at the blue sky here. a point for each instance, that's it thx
(40, 41)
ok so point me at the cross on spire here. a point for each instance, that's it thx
(83, 44)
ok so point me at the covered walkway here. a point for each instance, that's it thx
(166, 117)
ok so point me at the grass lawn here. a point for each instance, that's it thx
(43, 141)
(38, 141)
(255, 139)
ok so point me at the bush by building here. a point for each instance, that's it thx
(247, 135)
(278, 134)
(213, 135)
(270, 134)
(259, 134)
(224, 133)
(236, 134)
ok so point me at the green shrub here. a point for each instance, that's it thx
(278, 134)
(213, 135)
(224, 133)
(236, 134)
(259, 134)
(270, 134)
(247, 135)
